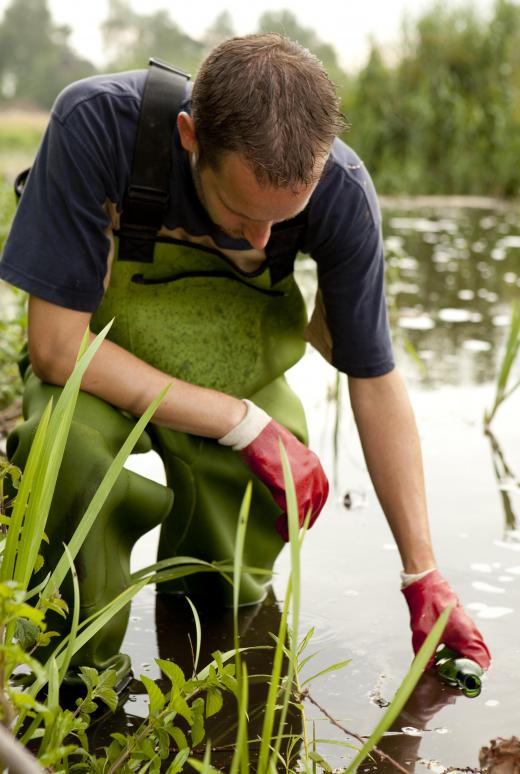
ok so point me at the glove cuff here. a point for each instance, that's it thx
(255, 420)
(407, 578)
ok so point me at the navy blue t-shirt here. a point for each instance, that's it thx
(58, 246)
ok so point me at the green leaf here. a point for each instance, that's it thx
(197, 730)
(178, 737)
(173, 672)
(156, 696)
(314, 756)
(177, 765)
(109, 697)
(214, 702)
(164, 742)
(89, 675)
(26, 633)
(332, 668)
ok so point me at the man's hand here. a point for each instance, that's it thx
(256, 440)
(426, 600)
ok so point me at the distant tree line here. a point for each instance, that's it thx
(438, 114)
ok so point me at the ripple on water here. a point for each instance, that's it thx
(476, 345)
(416, 322)
(481, 567)
(488, 612)
(509, 242)
(487, 588)
(453, 315)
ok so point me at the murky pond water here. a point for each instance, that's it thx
(452, 276)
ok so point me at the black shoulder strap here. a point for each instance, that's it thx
(146, 199)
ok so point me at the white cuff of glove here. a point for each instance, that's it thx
(255, 420)
(407, 578)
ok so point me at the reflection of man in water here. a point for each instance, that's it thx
(257, 174)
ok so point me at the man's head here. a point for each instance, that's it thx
(264, 115)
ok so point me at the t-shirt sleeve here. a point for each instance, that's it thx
(348, 249)
(58, 246)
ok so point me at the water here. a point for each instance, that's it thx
(452, 277)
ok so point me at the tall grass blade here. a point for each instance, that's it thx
(240, 669)
(295, 545)
(405, 689)
(67, 656)
(240, 758)
(198, 634)
(12, 551)
(52, 455)
(101, 495)
(510, 354)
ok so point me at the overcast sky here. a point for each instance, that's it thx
(347, 24)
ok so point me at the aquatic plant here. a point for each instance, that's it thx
(503, 389)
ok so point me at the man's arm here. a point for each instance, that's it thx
(392, 451)
(118, 377)
(390, 441)
(122, 379)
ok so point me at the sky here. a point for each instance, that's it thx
(347, 24)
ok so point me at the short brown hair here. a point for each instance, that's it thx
(269, 99)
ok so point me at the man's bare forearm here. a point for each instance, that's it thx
(122, 379)
(390, 441)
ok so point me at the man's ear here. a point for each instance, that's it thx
(186, 127)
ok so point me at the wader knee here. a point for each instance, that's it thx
(209, 482)
(134, 506)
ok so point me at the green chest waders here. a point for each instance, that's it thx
(191, 313)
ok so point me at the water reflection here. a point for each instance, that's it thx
(403, 740)
(176, 640)
(452, 275)
(508, 485)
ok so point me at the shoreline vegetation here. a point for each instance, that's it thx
(435, 112)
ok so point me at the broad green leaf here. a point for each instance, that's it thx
(156, 696)
(214, 702)
(172, 671)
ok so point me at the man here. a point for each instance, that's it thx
(257, 174)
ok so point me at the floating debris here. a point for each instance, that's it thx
(411, 731)
(355, 499)
(476, 345)
(501, 757)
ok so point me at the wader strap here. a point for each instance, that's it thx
(147, 196)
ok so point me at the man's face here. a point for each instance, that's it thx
(239, 205)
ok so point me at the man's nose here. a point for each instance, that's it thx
(257, 234)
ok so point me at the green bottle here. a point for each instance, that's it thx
(459, 672)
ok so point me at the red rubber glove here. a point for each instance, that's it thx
(426, 600)
(262, 455)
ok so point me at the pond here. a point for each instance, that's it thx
(452, 275)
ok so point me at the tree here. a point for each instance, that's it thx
(286, 23)
(221, 29)
(36, 61)
(131, 39)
